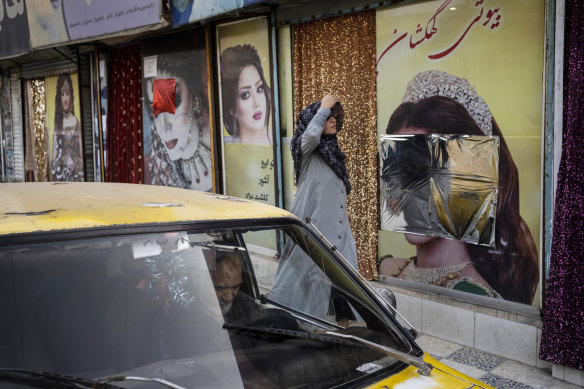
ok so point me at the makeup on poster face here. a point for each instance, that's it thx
(66, 96)
(251, 101)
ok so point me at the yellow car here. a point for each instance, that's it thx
(137, 286)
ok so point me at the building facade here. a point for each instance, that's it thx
(205, 97)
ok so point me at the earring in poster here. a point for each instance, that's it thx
(190, 170)
(202, 164)
(190, 165)
(205, 151)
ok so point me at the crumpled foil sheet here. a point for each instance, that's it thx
(440, 185)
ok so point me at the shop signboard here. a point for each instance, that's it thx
(46, 23)
(60, 21)
(186, 11)
(14, 37)
(87, 19)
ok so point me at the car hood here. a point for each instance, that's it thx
(441, 376)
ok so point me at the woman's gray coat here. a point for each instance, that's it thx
(321, 196)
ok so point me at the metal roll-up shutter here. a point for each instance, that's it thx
(42, 69)
(17, 127)
(86, 113)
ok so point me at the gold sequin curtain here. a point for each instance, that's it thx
(337, 56)
(36, 159)
(124, 116)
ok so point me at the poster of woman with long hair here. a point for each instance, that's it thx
(66, 140)
(246, 110)
(447, 70)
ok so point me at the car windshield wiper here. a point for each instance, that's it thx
(423, 367)
(305, 316)
(56, 380)
(294, 334)
(51, 380)
(334, 337)
(166, 383)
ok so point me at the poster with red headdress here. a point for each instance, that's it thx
(178, 131)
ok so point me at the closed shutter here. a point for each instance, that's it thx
(86, 114)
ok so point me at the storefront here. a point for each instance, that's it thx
(159, 103)
(50, 83)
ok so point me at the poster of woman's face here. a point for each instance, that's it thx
(177, 134)
(246, 102)
(65, 138)
(246, 110)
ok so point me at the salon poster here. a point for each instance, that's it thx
(498, 48)
(64, 122)
(246, 110)
(178, 147)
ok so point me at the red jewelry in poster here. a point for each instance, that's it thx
(164, 95)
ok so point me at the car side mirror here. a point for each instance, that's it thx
(388, 299)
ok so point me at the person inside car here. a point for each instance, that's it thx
(227, 280)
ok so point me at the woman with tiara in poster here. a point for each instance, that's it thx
(441, 103)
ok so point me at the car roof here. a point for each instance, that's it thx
(50, 206)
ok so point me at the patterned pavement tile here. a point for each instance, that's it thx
(496, 371)
(470, 371)
(437, 348)
(503, 383)
(530, 375)
(476, 358)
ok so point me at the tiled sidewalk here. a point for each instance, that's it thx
(493, 370)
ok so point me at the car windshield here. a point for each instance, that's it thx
(230, 307)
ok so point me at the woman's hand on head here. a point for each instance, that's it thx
(328, 101)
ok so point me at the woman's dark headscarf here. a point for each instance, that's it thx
(328, 147)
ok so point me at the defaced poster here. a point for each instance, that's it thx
(456, 74)
(178, 147)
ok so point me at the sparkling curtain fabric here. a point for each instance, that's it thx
(124, 120)
(29, 165)
(337, 56)
(562, 339)
(36, 158)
